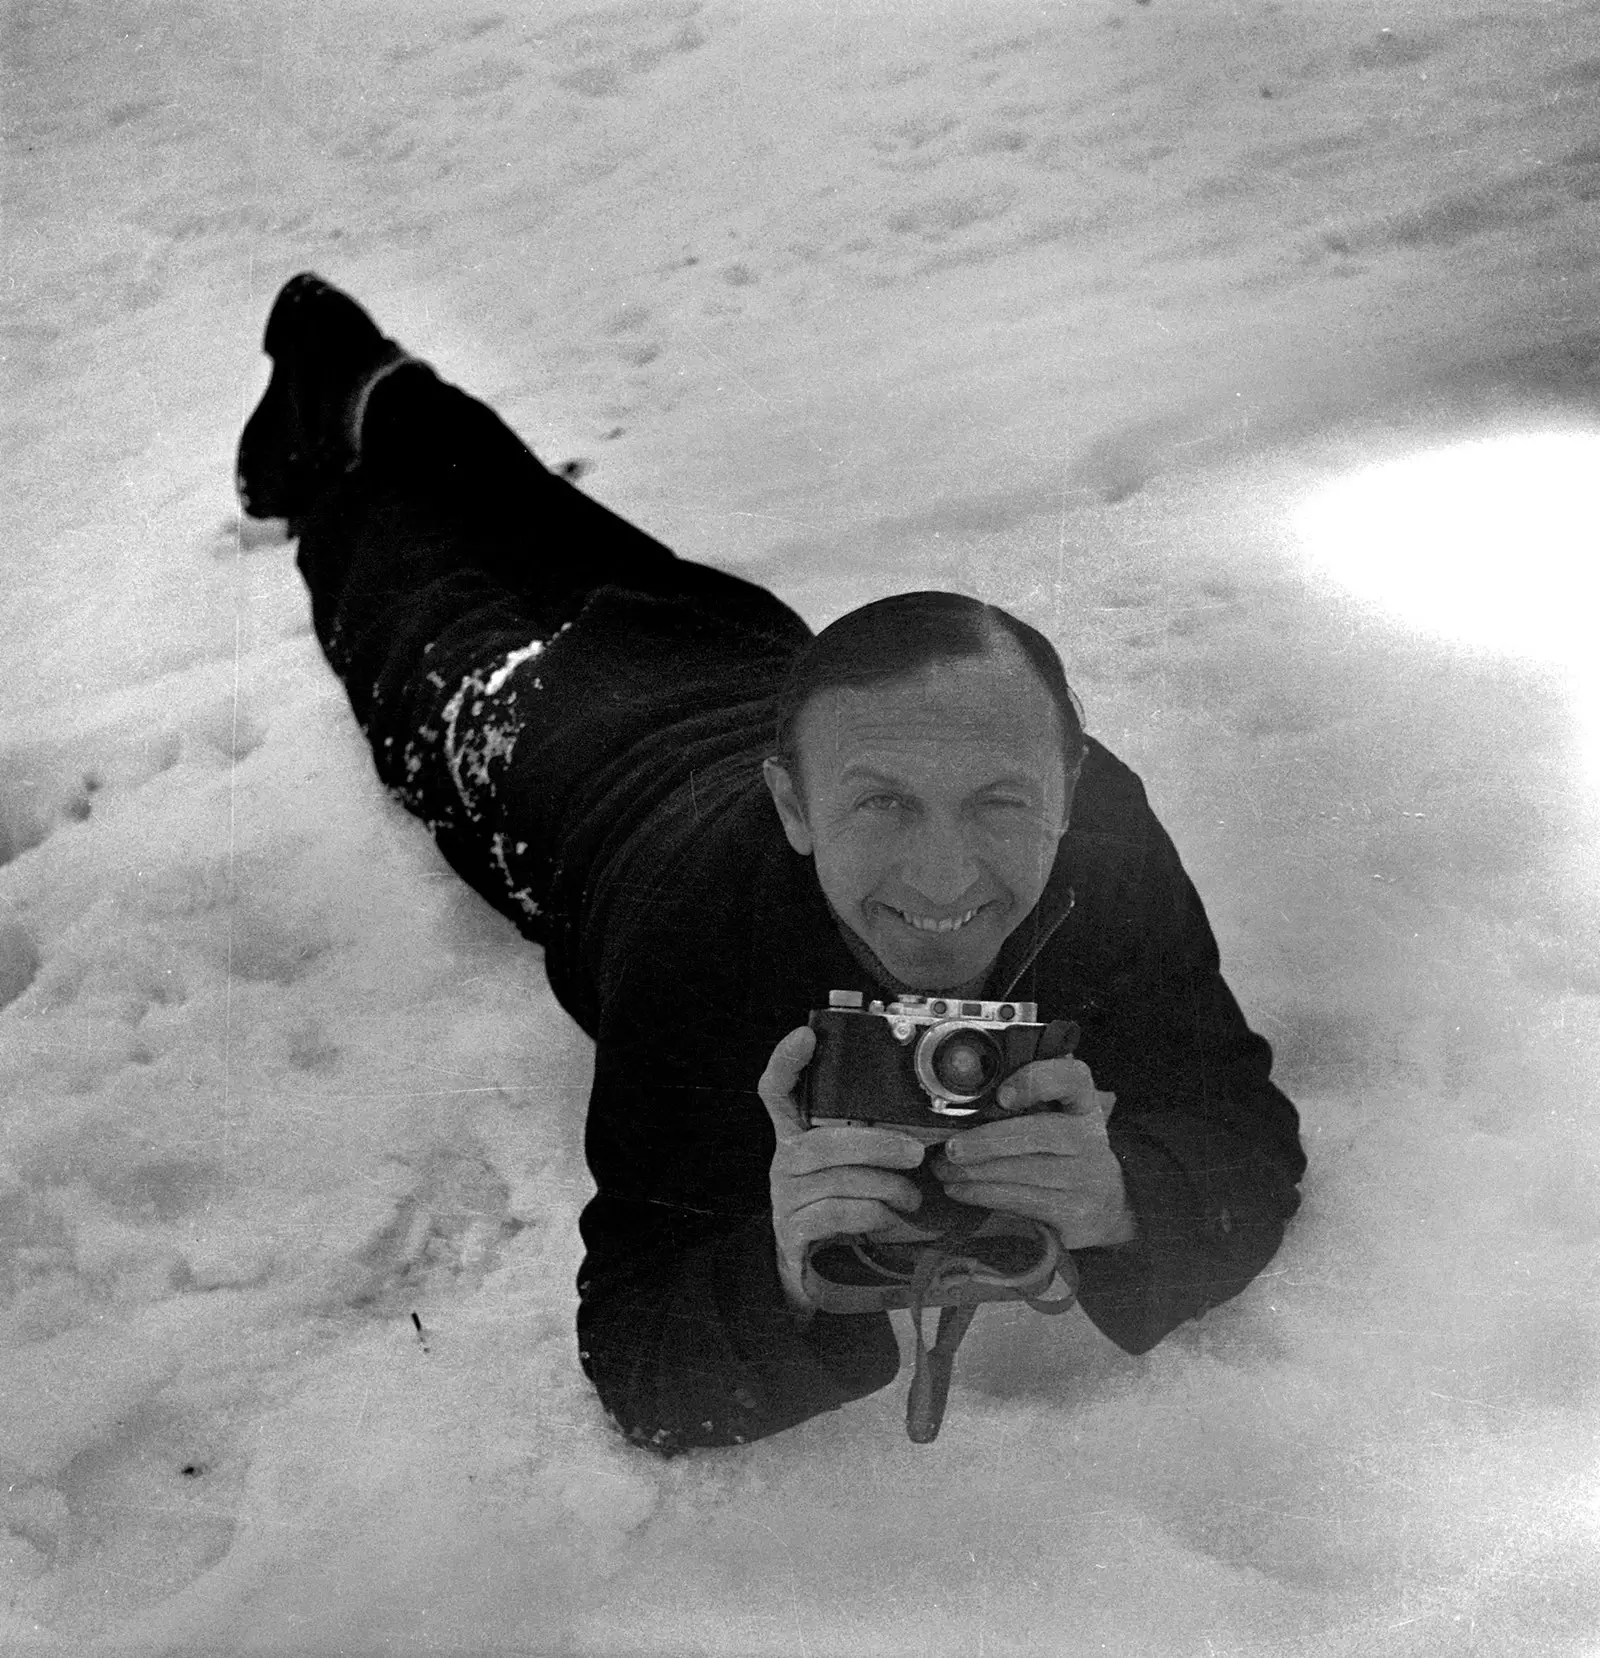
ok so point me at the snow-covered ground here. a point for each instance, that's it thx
(1082, 306)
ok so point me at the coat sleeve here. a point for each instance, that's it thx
(1209, 1148)
(691, 1342)
(683, 1326)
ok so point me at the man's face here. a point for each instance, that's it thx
(933, 808)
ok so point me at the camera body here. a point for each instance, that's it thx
(929, 1065)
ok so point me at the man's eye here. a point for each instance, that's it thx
(880, 802)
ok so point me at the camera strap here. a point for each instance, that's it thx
(986, 1255)
(941, 1275)
(930, 1381)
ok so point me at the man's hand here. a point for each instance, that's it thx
(833, 1179)
(1053, 1166)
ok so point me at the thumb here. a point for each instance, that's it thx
(1064, 1083)
(778, 1081)
(1095, 1099)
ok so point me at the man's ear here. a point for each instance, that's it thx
(1066, 806)
(791, 813)
(1069, 793)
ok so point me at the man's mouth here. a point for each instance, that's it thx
(934, 924)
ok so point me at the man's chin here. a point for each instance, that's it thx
(930, 963)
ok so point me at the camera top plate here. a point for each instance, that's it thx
(927, 1009)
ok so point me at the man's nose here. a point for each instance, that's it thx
(939, 864)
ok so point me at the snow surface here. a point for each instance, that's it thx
(1074, 305)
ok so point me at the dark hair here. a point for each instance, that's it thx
(901, 636)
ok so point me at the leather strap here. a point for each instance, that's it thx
(930, 1381)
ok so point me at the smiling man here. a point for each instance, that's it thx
(929, 753)
(710, 819)
(931, 805)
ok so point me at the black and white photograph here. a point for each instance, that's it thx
(800, 829)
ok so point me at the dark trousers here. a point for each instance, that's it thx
(493, 627)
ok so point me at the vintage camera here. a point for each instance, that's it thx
(930, 1065)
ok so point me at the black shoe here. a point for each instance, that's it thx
(326, 351)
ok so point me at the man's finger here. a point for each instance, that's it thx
(1049, 1170)
(840, 1217)
(878, 1184)
(1010, 1199)
(1060, 1081)
(1052, 1133)
(835, 1145)
(777, 1084)
(1066, 1083)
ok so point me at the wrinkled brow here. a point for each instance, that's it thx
(1004, 780)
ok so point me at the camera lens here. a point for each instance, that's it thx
(960, 1066)
(965, 1063)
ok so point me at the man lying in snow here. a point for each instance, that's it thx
(710, 819)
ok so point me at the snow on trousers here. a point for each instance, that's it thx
(454, 585)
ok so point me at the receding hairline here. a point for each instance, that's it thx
(999, 645)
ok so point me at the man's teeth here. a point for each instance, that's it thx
(924, 925)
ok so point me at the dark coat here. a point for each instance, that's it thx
(686, 937)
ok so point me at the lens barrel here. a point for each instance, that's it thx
(957, 1063)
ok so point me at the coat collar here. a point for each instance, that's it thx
(1026, 943)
